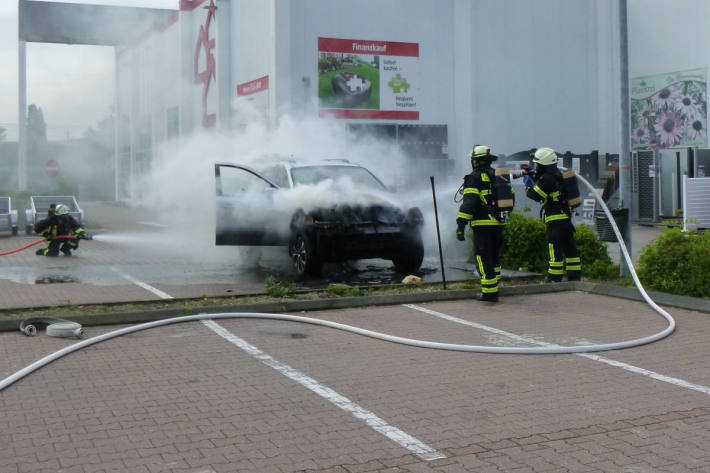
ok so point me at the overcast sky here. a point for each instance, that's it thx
(72, 84)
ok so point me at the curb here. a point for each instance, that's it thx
(121, 318)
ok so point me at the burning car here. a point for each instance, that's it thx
(324, 211)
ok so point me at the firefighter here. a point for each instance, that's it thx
(479, 210)
(547, 187)
(59, 223)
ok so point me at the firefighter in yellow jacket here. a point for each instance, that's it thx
(547, 188)
(478, 209)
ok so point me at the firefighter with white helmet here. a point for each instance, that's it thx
(60, 223)
(547, 187)
(478, 210)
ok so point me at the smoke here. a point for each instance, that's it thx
(181, 191)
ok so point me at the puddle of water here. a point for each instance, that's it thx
(55, 279)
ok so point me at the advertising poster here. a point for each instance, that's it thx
(368, 79)
(669, 110)
(252, 104)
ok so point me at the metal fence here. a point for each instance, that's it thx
(696, 202)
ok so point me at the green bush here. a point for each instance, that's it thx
(525, 247)
(276, 288)
(678, 263)
(340, 289)
(524, 244)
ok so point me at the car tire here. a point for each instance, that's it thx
(410, 257)
(14, 230)
(304, 255)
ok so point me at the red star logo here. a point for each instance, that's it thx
(206, 44)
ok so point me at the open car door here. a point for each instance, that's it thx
(245, 208)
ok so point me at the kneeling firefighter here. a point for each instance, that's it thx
(59, 222)
(479, 209)
(547, 186)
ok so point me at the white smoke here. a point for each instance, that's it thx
(181, 187)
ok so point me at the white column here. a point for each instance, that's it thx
(22, 116)
(225, 87)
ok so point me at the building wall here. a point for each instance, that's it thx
(514, 74)
(429, 23)
(542, 73)
(667, 37)
(252, 57)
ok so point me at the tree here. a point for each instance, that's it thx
(36, 127)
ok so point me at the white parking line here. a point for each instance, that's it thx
(634, 369)
(153, 224)
(147, 287)
(412, 444)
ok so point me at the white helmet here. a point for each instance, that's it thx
(482, 152)
(545, 156)
(61, 209)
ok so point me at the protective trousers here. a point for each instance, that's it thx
(65, 245)
(563, 251)
(487, 241)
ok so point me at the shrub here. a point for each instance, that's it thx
(276, 288)
(525, 247)
(344, 290)
(678, 263)
(524, 244)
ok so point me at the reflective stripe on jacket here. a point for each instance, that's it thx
(478, 206)
(548, 190)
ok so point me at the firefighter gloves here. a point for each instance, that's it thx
(460, 232)
(527, 180)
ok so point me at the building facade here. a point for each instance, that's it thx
(433, 76)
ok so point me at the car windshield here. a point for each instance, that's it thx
(315, 174)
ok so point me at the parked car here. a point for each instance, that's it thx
(304, 205)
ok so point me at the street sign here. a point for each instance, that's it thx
(52, 168)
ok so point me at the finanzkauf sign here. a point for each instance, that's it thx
(669, 110)
(368, 79)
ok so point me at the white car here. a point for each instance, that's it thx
(305, 205)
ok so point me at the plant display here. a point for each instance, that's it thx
(675, 115)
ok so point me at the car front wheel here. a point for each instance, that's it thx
(305, 258)
(409, 259)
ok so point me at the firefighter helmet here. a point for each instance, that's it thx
(482, 152)
(61, 209)
(545, 157)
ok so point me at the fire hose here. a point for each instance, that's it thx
(42, 240)
(540, 350)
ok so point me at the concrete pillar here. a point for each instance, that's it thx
(187, 82)
(22, 116)
(225, 87)
(625, 151)
(116, 120)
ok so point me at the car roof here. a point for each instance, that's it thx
(295, 162)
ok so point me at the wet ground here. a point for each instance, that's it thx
(137, 256)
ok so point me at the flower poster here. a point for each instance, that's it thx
(669, 110)
(368, 79)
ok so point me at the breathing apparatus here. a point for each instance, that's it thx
(548, 157)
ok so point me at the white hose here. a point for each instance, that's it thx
(381, 336)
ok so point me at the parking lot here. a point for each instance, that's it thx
(272, 396)
(262, 395)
